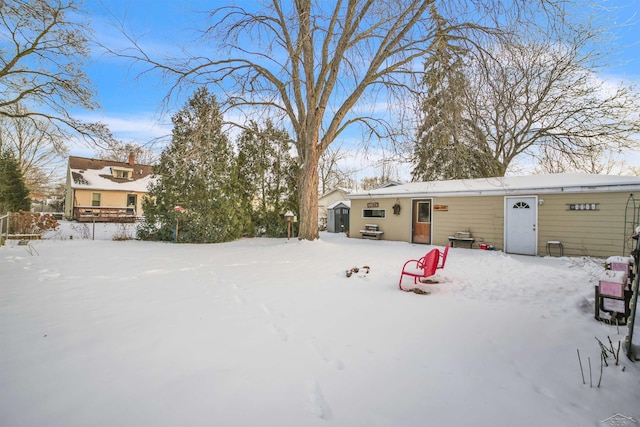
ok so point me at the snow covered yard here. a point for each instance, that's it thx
(270, 332)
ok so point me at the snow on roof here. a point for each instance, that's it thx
(552, 183)
(92, 174)
(347, 203)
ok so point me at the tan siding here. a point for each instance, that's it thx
(395, 227)
(108, 198)
(483, 216)
(597, 233)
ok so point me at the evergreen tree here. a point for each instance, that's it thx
(195, 172)
(267, 174)
(14, 195)
(449, 145)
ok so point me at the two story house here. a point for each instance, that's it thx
(105, 190)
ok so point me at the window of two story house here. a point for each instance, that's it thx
(121, 173)
(95, 199)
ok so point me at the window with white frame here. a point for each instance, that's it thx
(121, 173)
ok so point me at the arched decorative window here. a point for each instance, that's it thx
(521, 205)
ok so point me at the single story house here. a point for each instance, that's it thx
(105, 190)
(572, 213)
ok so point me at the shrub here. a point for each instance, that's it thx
(31, 223)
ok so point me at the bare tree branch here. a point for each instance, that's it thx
(42, 51)
(316, 64)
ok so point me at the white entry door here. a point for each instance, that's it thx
(520, 225)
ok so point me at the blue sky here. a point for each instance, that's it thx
(132, 104)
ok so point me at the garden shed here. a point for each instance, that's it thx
(338, 216)
(558, 214)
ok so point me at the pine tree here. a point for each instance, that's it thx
(267, 173)
(449, 145)
(195, 172)
(14, 195)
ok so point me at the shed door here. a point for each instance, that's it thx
(342, 219)
(520, 225)
(422, 221)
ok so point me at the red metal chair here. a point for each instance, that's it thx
(420, 268)
(443, 256)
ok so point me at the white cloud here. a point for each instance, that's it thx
(141, 127)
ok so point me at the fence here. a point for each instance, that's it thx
(104, 214)
(4, 228)
(25, 225)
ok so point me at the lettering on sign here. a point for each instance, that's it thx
(373, 204)
(440, 208)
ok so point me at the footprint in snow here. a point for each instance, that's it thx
(280, 333)
(325, 355)
(156, 271)
(46, 274)
(318, 404)
(543, 391)
(266, 309)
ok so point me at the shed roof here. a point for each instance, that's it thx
(510, 185)
(345, 203)
(95, 174)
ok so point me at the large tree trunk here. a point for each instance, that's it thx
(309, 203)
(308, 180)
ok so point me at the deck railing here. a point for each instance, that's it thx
(104, 214)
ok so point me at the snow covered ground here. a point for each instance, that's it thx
(271, 332)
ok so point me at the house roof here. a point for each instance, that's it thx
(513, 185)
(95, 174)
(341, 191)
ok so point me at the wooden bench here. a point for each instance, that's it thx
(462, 237)
(371, 231)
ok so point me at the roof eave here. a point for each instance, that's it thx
(502, 191)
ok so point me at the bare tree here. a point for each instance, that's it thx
(386, 171)
(332, 173)
(320, 65)
(36, 145)
(543, 98)
(121, 151)
(43, 44)
(595, 161)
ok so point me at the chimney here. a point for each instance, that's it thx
(132, 159)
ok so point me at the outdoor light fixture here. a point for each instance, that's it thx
(396, 208)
